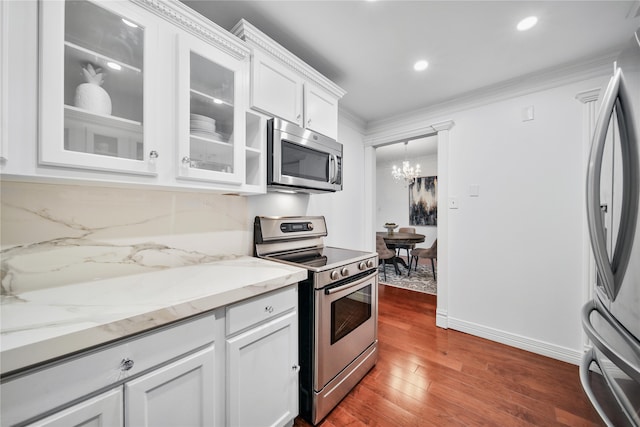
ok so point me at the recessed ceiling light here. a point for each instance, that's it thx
(420, 65)
(527, 23)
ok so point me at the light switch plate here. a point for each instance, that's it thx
(453, 203)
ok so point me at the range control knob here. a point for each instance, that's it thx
(309, 226)
(344, 271)
(334, 275)
(362, 266)
(370, 263)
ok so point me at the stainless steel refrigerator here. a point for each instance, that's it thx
(610, 371)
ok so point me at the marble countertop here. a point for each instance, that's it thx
(44, 324)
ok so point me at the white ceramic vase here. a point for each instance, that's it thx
(94, 98)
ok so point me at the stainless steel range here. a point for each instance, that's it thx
(338, 308)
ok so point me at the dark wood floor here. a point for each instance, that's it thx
(427, 376)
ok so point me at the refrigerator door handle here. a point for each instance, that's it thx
(617, 97)
(611, 353)
(619, 396)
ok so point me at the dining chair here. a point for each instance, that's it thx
(407, 246)
(385, 254)
(431, 253)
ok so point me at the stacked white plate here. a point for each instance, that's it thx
(203, 125)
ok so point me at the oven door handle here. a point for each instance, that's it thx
(330, 291)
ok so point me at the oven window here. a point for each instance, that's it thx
(303, 162)
(349, 312)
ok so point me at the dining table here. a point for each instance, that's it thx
(393, 239)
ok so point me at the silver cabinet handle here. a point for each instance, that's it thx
(616, 97)
(153, 154)
(296, 368)
(126, 364)
(269, 309)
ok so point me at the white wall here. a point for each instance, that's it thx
(345, 211)
(392, 197)
(515, 252)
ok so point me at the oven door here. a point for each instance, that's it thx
(347, 322)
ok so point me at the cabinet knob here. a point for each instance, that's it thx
(308, 121)
(153, 154)
(126, 364)
(298, 117)
(296, 368)
(186, 161)
(269, 309)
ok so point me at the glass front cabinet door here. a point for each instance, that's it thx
(95, 92)
(211, 120)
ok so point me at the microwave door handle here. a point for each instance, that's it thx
(333, 168)
(594, 171)
(630, 185)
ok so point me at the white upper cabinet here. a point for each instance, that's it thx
(284, 86)
(321, 111)
(276, 89)
(211, 120)
(95, 79)
(129, 92)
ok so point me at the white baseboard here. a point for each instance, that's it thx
(539, 347)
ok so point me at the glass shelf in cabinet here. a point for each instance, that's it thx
(105, 32)
(210, 139)
(123, 87)
(211, 79)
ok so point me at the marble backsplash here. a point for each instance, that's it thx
(54, 235)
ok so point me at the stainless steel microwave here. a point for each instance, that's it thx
(300, 160)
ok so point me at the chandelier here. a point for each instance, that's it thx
(406, 173)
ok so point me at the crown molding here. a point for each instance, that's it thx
(186, 18)
(524, 85)
(257, 39)
(352, 120)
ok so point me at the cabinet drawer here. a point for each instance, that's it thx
(70, 380)
(255, 310)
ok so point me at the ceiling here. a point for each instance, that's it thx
(369, 47)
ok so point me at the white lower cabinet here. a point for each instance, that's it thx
(102, 410)
(234, 366)
(179, 394)
(262, 361)
(144, 374)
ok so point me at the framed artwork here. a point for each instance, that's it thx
(423, 201)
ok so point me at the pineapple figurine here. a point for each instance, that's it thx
(90, 95)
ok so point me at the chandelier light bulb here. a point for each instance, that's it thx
(407, 173)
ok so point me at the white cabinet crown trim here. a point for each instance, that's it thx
(191, 21)
(255, 37)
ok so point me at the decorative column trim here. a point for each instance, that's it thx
(588, 95)
(589, 100)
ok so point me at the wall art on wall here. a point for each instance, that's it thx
(423, 201)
